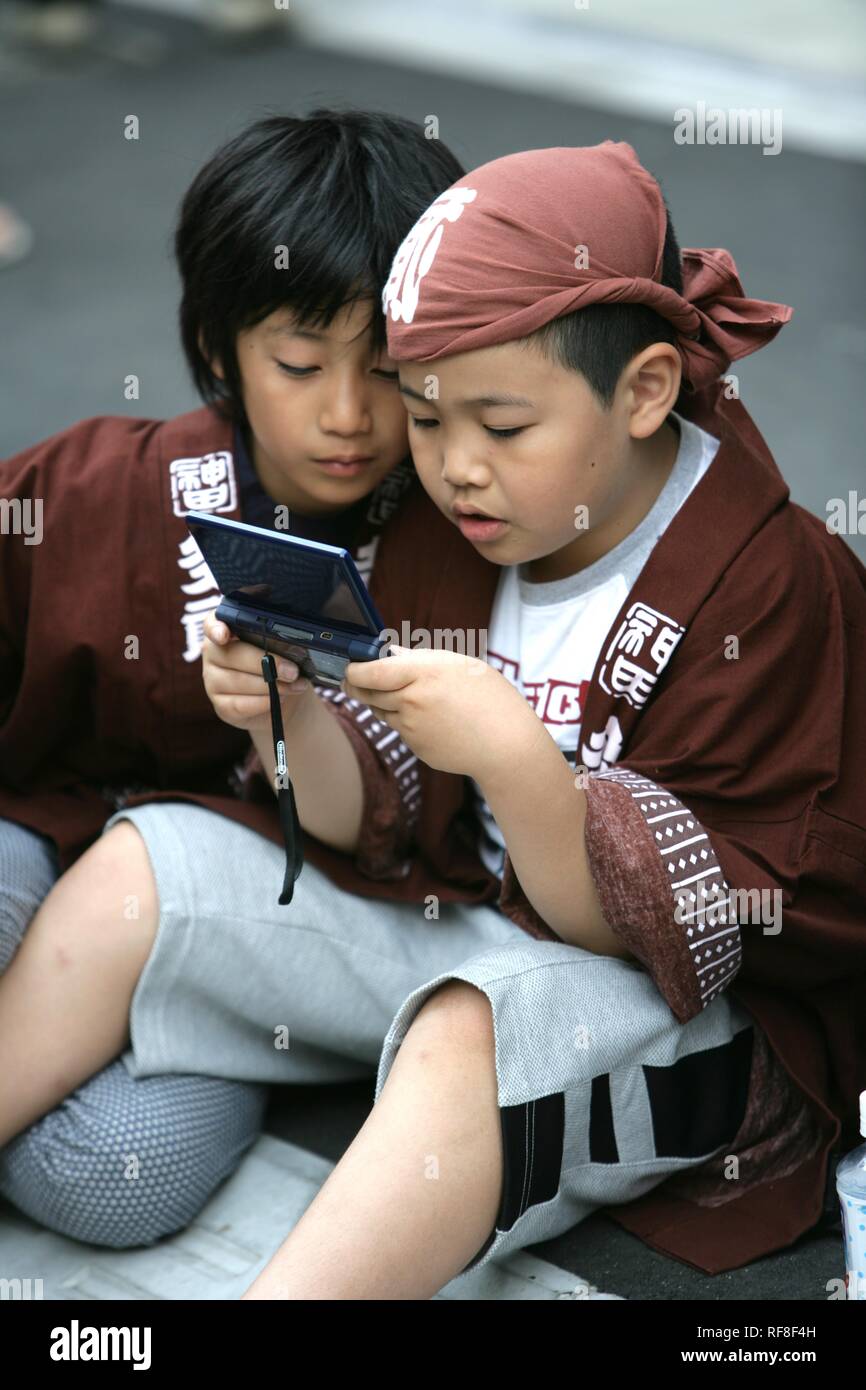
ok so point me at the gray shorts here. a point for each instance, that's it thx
(602, 1093)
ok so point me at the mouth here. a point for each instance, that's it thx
(478, 526)
(346, 466)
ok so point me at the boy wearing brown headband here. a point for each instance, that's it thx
(683, 650)
(658, 763)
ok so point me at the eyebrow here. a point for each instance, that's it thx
(283, 331)
(505, 398)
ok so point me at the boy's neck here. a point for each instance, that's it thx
(654, 470)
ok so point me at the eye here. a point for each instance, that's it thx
(383, 372)
(423, 424)
(295, 371)
(504, 434)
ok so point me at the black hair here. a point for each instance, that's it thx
(339, 189)
(599, 341)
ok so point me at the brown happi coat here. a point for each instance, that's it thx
(754, 753)
(101, 694)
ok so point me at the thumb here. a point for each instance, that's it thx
(217, 630)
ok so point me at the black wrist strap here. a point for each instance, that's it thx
(289, 822)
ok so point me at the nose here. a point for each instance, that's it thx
(462, 468)
(345, 409)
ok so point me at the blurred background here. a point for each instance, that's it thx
(87, 286)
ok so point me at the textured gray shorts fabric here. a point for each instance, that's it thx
(121, 1162)
(28, 871)
(602, 1093)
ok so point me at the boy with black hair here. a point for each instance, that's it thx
(535, 893)
(283, 243)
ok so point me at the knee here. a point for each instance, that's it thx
(456, 1011)
(118, 869)
(107, 901)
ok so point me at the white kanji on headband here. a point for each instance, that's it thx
(417, 252)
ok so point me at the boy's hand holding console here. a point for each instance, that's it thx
(304, 605)
(456, 713)
(307, 604)
(234, 682)
(292, 597)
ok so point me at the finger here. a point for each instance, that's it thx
(388, 717)
(388, 673)
(243, 657)
(288, 671)
(381, 715)
(385, 702)
(229, 681)
(242, 707)
(218, 631)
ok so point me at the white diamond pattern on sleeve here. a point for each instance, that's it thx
(701, 901)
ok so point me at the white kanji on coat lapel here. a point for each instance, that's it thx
(631, 666)
(202, 596)
(364, 557)
(601, 750)
(205, 484)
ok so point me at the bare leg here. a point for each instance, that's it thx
(385, 1225)
(64, 1001)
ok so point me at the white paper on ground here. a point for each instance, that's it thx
(219, 1255)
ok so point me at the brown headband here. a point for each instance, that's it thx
(529, 237)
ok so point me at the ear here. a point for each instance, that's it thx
(652, 381)
(213, 362)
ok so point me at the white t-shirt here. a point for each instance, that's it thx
(545, 638)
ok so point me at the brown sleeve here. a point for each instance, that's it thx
(391, 787)
(661, 888)
(20, 477)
